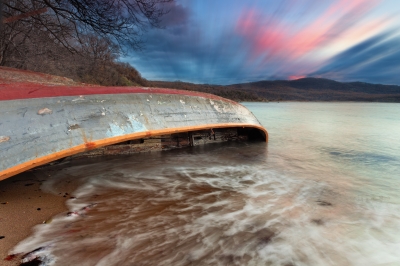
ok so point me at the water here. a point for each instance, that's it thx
(323, 191)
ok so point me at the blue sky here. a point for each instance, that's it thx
(236, 41)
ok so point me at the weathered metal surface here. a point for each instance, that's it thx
(14, 91)
(35, 131)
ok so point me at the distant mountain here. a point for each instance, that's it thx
(306, 89)
(223, 91)
(318, 89)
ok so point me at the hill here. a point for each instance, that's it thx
(236, 94)
(306, 89)
(317, 89)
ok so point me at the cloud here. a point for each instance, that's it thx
(373, 60)
(191, 57)
(176, 16)
(293, 47)
(289, 39)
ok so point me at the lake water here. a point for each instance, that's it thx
(325, 190)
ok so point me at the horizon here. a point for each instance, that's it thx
(204, 42)
(272, 80)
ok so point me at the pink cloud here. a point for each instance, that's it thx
(273, 39)
(262, 38)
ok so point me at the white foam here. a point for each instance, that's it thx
(226, 212)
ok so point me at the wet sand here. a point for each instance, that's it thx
(22, 206)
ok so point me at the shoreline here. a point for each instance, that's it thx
(24, 205)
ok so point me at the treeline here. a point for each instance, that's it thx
(223, 91)
(93, 62)
(319, 89)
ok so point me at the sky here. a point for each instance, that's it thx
(237, 41)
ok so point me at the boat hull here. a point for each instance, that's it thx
(36, 131)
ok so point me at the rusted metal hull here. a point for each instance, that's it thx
(36, 131)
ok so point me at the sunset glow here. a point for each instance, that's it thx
(293, 77)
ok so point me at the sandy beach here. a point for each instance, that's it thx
(22, 206)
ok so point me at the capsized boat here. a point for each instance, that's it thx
(44, 123)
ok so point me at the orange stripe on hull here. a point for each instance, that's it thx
(113, 140)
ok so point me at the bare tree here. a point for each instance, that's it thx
(80, 39)
(119, 21)
(1, 15)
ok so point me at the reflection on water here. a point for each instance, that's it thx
(301, 199)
